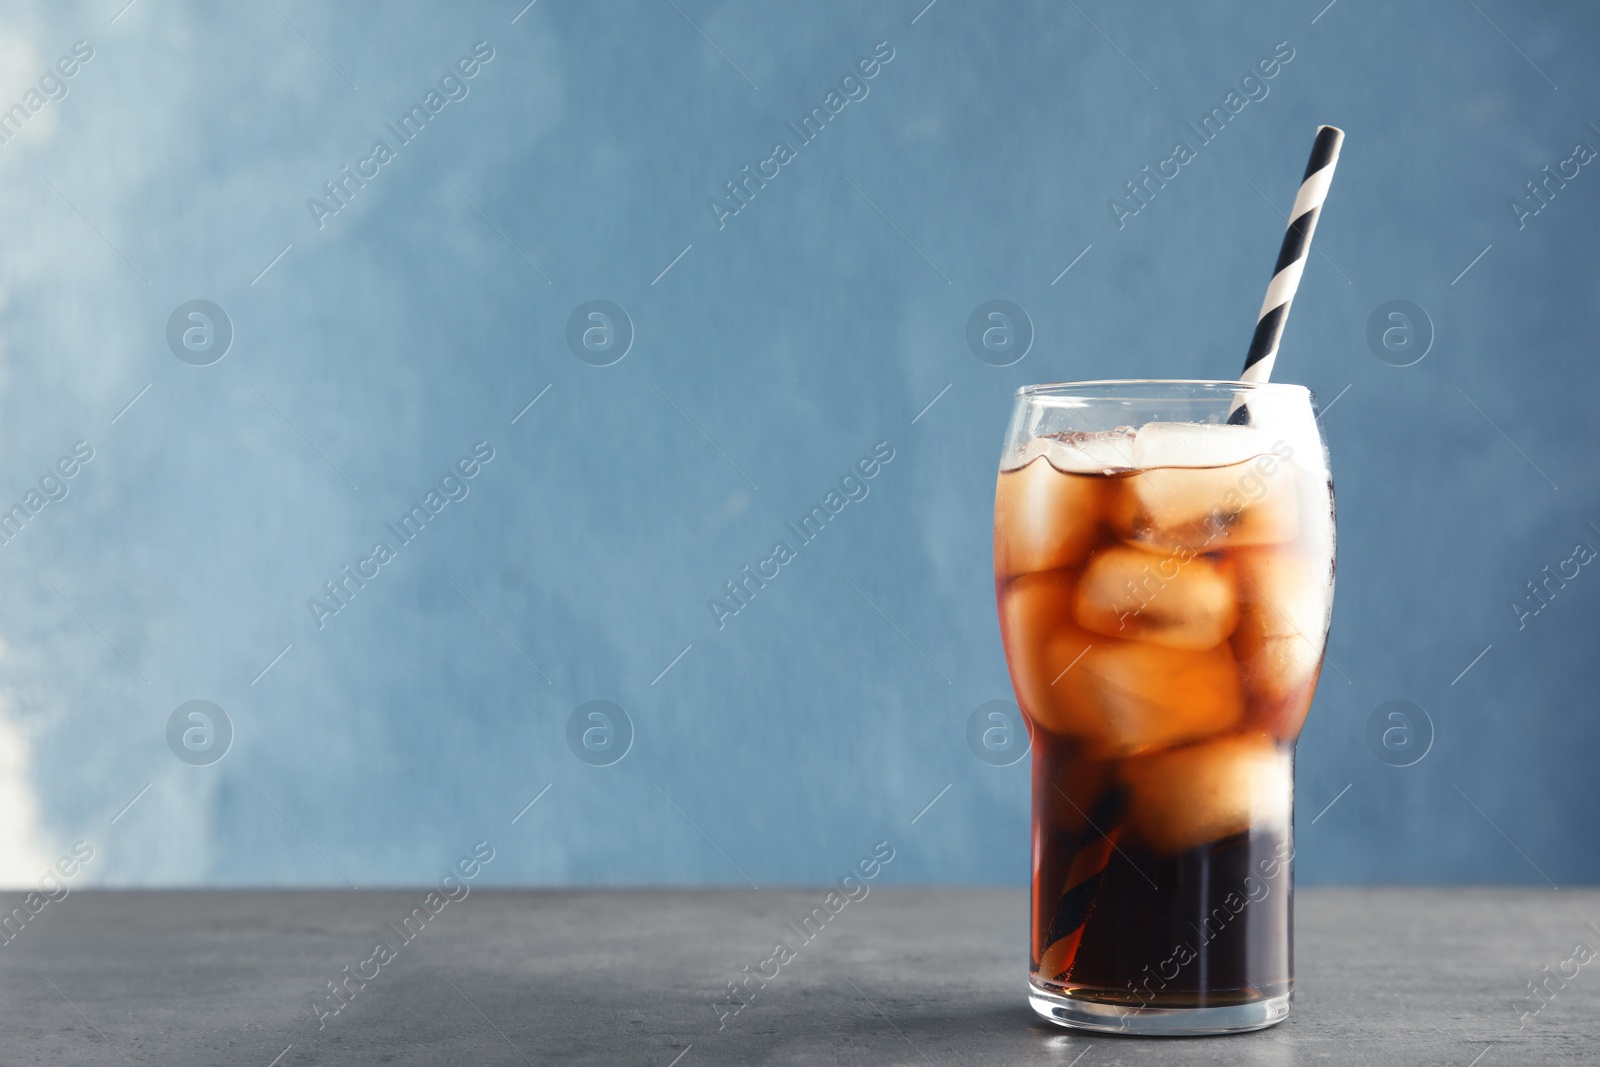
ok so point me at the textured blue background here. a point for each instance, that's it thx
(821, 319)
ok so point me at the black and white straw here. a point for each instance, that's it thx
(1292, 256)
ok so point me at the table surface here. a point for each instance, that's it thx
(903, 976)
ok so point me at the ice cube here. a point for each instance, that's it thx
(1041, 639)
(1207, 487)
(1284, 604)
(1080, 453)
(1196, 444)
(1186, 797)
(1044, 518)
(1126, 697)
(1316, 539)
(1098, 453)
(1169, 596)
(1281, 593)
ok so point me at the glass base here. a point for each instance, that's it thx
(1106, 1018)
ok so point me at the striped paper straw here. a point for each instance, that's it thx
(1292, 256)
(1084, 876)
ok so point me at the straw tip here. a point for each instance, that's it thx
(1334, 130)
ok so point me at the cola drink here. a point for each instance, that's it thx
(1164, 594)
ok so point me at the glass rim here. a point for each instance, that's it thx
(1096, 389)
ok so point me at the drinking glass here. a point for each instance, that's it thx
(1164, 558)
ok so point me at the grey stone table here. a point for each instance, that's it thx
(903, 976)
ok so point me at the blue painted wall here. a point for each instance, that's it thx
(771, 350)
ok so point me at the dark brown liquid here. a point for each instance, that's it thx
(1164, 631)
(1206, 927)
